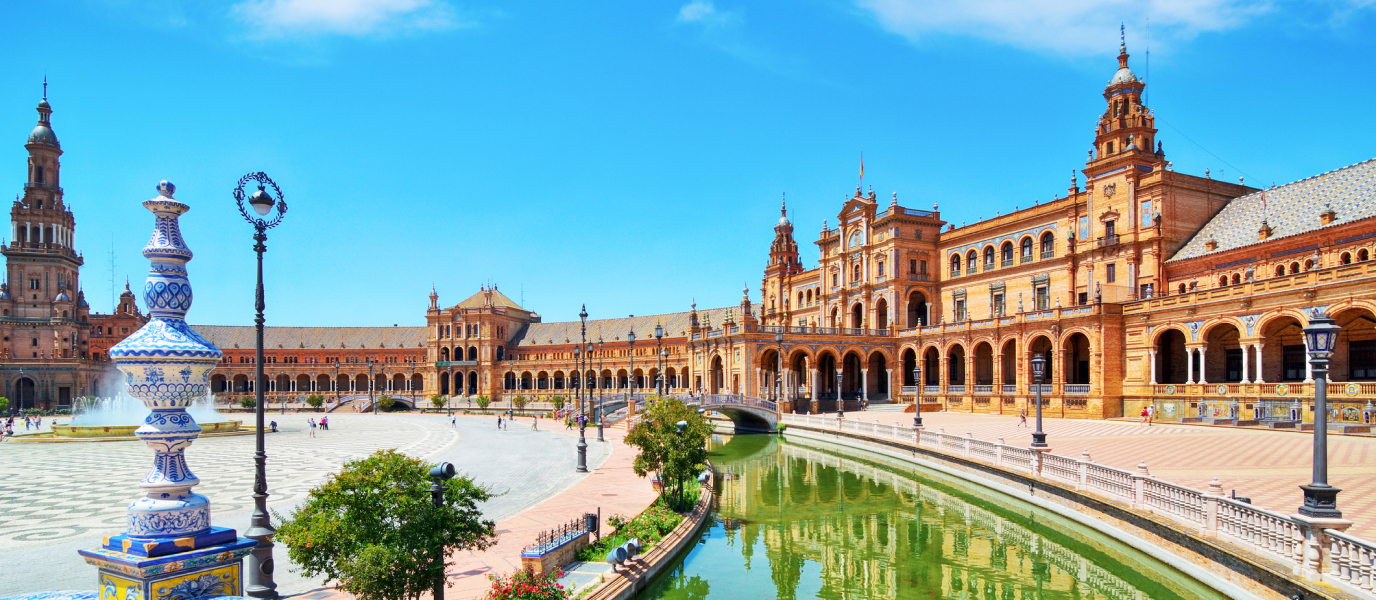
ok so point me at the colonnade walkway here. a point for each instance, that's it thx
(1266, 466)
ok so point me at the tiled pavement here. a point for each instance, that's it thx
(1267, 466)
(57, 498)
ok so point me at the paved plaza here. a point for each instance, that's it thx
(1267, 466)
(58, 498)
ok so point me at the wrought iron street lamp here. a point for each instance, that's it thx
(663, 361)
(840, 401)
(583, 339)
(778, 371)
(917, 399)
(1038, 370)
(1321, 499)
(441, 472)
(599, 368)
(630, 376)
(336, 383)
(370, 386)
(449, 400)
(260, 565)
(659, 344)
(582, 441)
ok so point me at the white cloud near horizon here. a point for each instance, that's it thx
(1069, 27)
(270, 19)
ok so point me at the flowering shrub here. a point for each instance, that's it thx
(649, 527)
(526, 585)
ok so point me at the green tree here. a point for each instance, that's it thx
(4, 404)
(437, 401)
(247, 402)
(386, 402)
(677, 458)
(373, 528)
(557, 401)
(483, 401)
(519, 403)
(315, 400)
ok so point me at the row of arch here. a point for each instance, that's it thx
(304, 384)
(472, 353)
(1280, 269)
(674, 378)
(1005, 252)
(1271, 350)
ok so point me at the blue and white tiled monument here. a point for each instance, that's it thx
(170, 550)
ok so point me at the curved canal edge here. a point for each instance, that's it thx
(1226, 568)
(634, 576)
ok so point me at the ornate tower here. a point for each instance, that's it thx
(42, 314)
(783, 253)
(1127, 129)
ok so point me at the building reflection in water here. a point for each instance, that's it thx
(827, 523)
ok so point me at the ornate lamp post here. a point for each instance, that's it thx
(917, 400)
(1321, 499)
(1038, 370)
(663, 360)
(441, 472)
(583, 339)
(370, 385)
(778, 372)
(582, 424)
(449, 402)
(336, 383)
(260, 583)
(659, 345)
(630, 383)
(599, 368)
(840, 402)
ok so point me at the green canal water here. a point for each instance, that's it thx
(801, 519)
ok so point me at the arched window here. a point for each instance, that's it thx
(1007, 252)
(1027, 248)
(1223, 281)
(955, 265)
(1280, 270)
(1363, 255)
(856, 276)
(988, 258)
(971, 264)
(1182, 288)
(1308, 265)
(1048, 245)
(1237, 279)
(1346, 258)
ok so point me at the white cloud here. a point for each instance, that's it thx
(1062, 26)
(282, 18)
(704, 13)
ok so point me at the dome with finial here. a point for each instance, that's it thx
(783, 214)
(62, 297)
(1124, 74)
(43, 133)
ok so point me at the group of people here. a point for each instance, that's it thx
(7, 431)
(323, 424)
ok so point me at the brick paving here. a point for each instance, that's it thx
(1267, 466)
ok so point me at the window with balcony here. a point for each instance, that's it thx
(1007, 254)
(955, 266)
(988, 258)
(960, 310)
(1026, 249)
(971, 262)
(1048, 245)
(998, 305)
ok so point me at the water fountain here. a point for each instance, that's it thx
(116, 418)
(170, 550)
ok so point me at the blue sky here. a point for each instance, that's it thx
(631, 155)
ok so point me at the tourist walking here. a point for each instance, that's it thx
(453, 422)
(1143, 415)
(1151, 414)
(1022, 418)
(535, 424)
(311, 421)
(499, 421)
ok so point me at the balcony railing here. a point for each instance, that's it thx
(1007, 263)
(1010, 389)
(1026, 258)
(1046, 388)
(912, 212)
(931, 389)
(956, 388)
(984, 389)
(1048, 254)
(1106, 241)
(1077, 388)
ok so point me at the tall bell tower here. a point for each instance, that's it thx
(43, 316)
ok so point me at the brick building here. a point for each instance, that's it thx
(1143, 285)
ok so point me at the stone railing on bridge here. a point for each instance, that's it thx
(1311, 549)
(706, 400)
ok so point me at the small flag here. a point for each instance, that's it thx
(862, 165)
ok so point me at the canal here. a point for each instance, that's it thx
(798, 518)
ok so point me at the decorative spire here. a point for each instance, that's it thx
(45, 87)
(783, 205)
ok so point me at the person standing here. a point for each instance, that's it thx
(499, 421)
(453, 422)
(1151, 414)
(311, 422)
